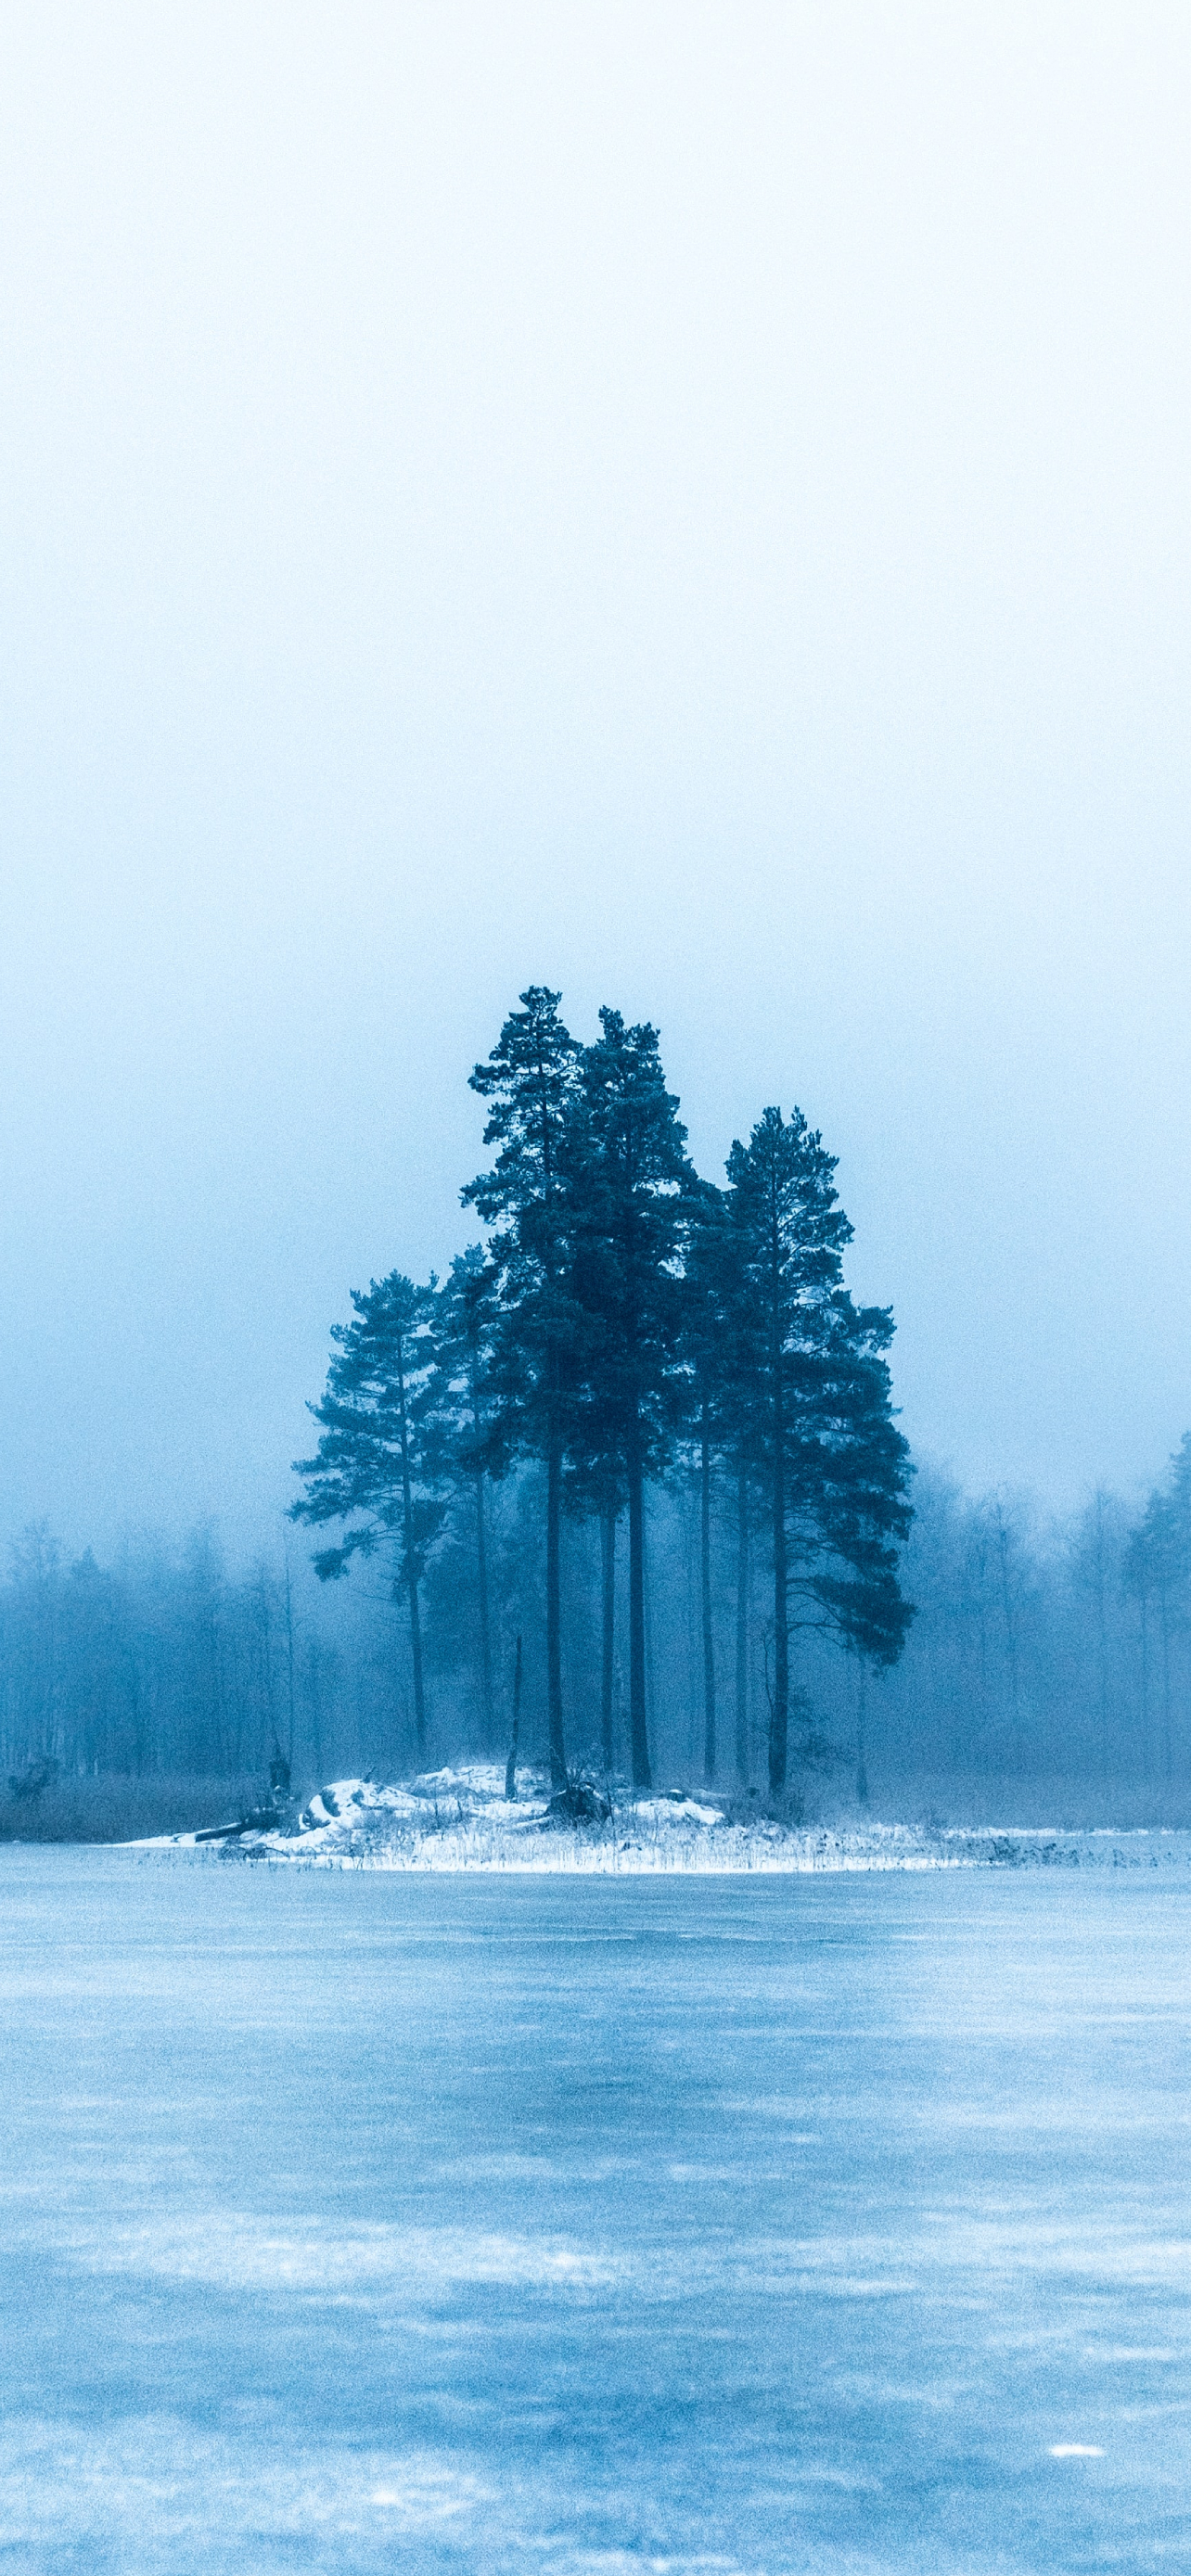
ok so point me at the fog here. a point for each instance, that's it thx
(689, 506)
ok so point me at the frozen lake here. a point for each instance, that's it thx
(364, 2221)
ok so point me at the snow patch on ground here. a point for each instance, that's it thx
(458, 1818)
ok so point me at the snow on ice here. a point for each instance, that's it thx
(458, 1818)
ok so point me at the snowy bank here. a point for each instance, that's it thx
(458, 1818)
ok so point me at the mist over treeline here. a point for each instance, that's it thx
(639, 1446)
(1039, 1648)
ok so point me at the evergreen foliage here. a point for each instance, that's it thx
(532, 1085)
(708, 1318)
(623, 1313)
(377, 1469)
(461, 1415)
(629, 1172)
(809, 1393)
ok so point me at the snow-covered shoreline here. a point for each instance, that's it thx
(458, 1819)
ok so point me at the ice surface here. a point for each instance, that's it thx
(356, 2220)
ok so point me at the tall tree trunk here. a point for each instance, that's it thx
(705, 1590)
(779, 1715)
(415, 1640)
(485, 1625)
(1145, 1685)
(511, 1764)
(608, 1631)
(861, 1766)
(314, 1702)
(1010, 1644)
(411, 1573)
(558, 1750)
(289, 1640)
(742, 1626)
(638, 1731)
(1102, 1636)
(1164, 1631)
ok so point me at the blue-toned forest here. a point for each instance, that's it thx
(641, 1427)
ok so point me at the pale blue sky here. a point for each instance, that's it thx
(685, 503)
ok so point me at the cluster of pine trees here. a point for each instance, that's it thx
(643, 1423)
(625, 1322)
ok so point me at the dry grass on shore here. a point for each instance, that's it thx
(1030, 1802)
(113, 1809)
(116, 1809)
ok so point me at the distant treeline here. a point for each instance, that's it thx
(1047, 1649)
(642, 1427)
(1037, 1649)
(625, 1320)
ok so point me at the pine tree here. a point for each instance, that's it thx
(743, 1590)
(374, 1469)
(630, 1177)
(812, 1400)
(594, 1490)
(531, 1082)
(461, 1407)
(609, 1522)
(707, 1326)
